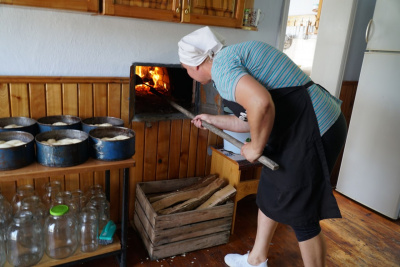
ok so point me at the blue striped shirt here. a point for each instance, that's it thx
(273, 69)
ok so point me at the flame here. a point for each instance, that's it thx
(156, 77)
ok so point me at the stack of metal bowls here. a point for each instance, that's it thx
(14, 155)
(95, 122)
(59, 122)
(111, 143)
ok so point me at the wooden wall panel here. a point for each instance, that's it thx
(37, 100)
(19, 100)
(54, 99)
(4, 95)
(164, 150)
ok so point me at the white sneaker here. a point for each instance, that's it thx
(237, 260)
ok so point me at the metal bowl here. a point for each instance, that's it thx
(93, 123)
(46, 123)
(62, 155)
(24, 124)
(111, 150)
(18, 156)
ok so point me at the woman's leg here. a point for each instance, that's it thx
(265, 231)
(313, 251)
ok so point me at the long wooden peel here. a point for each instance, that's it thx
(263, 159)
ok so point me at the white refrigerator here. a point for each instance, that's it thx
(370, 168)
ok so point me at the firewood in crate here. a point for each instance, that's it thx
(206, 180)
(197, 195)
(197, 200)
(219, 197)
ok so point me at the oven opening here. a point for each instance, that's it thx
(170, 80)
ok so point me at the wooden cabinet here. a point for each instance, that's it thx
(228, 13)
(76, 5)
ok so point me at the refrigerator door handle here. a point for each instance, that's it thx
(367, 31)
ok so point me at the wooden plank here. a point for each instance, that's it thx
(85, 181)
(150, 151)
(100, 99)
(114, 100)
(212, 141)
(4, 100)
(85, 100)
(174, 149)
(201, 152)
(164, 131)
(62, 79)
(125, 96)
(194, 133)
(72, 182)
(70, 99)
(8, 189)
(39, 184)
(37, 98)
(53, 99)
(19, 102)
(184, 155)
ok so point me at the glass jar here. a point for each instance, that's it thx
(5, 213)
(93, 191)
(23, 191)
(36, 206)
(79, 199)
(103, 209)
(89, 229)
(61, 232)
(65, 198)
(2, 247)
(25, 246)
(52, 188)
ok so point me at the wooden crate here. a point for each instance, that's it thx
(174, 234)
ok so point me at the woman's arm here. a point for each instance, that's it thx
(260, 108)
(224, 122)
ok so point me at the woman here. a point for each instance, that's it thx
(291, 120)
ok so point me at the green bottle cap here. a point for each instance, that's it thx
(59, 210)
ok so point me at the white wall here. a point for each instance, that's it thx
(44, 42)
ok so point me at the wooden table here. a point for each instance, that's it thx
(35, 170)
(241, 174)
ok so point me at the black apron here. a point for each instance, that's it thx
(299, 192)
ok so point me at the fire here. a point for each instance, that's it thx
(156, 77)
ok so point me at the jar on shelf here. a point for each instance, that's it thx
(36, 206)
(103, 209)
(23, 191)
(61, 232)
(3, 256)
(52, 188)
(95, 191)
(5, 213)
(65, 198)
(89, 229)
(25, 246)
(79, 199)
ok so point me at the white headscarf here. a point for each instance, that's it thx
(195, 47)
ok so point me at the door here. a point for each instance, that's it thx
(370, 169)
(383, 31)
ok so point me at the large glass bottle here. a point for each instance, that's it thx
(36, 206)
(23, 191)
(5, 213)
(52, 188)
(89, 229)
(102, 206)
(25, 246)
(3, 256)
(61, 232)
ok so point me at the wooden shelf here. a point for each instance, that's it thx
(78, 255)
(36, 170)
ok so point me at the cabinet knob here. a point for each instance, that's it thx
(178, 10)
(187, 11)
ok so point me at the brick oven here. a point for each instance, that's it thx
(171, 80)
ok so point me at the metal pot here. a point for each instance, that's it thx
(90, 123)
(62, 155)
(18, 156)
(46, 123)
(110, 150)
(27, 124)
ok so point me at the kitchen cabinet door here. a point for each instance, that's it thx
(228, 13)
(165, 10)
(76, 5)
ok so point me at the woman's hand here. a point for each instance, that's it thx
(199, 118)
(249, 152)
